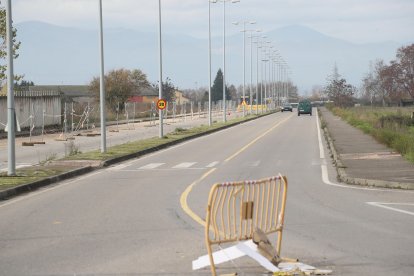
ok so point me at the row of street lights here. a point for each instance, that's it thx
(273, 65)
(274, 59)
(224, 54)
(244, 63)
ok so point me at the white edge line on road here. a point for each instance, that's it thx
(48, 189)
(321, 150)
(383, 205)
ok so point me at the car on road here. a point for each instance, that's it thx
(287, 107)
(305, 107)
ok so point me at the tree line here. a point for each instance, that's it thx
(384, 84)
(393, 82)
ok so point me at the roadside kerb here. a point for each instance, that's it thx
(24, 188)
(345, 178)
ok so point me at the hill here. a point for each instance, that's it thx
(52, 54)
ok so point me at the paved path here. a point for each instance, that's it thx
(362, 160)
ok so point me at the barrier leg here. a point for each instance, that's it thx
(282, 218)
(210, 256)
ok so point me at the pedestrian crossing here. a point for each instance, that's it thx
(184, 165)
(176, 166)
(151, 166)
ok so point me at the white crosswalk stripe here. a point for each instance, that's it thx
(184, 165)
(212, 164)
(151, 166)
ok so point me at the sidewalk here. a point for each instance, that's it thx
(361, 160)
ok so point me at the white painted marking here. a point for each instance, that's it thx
(118, 167)
(239, 250)
(184, 165)
(212, 164)
(256, 164)
(384, 205)
(151, 166)
(321, 150)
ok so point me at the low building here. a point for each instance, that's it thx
(180, 98)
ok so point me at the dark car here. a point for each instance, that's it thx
(287, 107)
(305, 107)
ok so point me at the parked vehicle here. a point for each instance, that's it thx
(305, 107)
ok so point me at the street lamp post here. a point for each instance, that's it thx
(244, 65)
(257, 68)
(102, 83)
(11, 113)
(261, 74)
(265, 60)
(224, 52)
(257, 76)
(251, 71)
(209, 63)
(161, 132)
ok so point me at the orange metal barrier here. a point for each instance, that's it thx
(236, 209)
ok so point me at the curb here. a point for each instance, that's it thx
(345, 178)
(24, 188)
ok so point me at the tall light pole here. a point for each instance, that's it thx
(102, 82)
(265, 60)
(161, 132)
(209, 63)
(11, 113)
(224, 52)
(244, 65)
(257, 73)
(251, 71)
(261, 73)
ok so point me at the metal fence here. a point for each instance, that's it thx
(236, 209)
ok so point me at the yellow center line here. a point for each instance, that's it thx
(184, 195)
(256, 139)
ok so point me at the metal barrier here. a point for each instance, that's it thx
(236, 209)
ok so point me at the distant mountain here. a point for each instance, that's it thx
(51, 54)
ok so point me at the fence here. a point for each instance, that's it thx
(33, 108)
(38, 110)
(236, 209)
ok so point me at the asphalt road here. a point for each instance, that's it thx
(130, 218)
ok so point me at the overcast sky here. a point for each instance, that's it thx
(358, 21)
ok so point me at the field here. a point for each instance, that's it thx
(392, 126)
